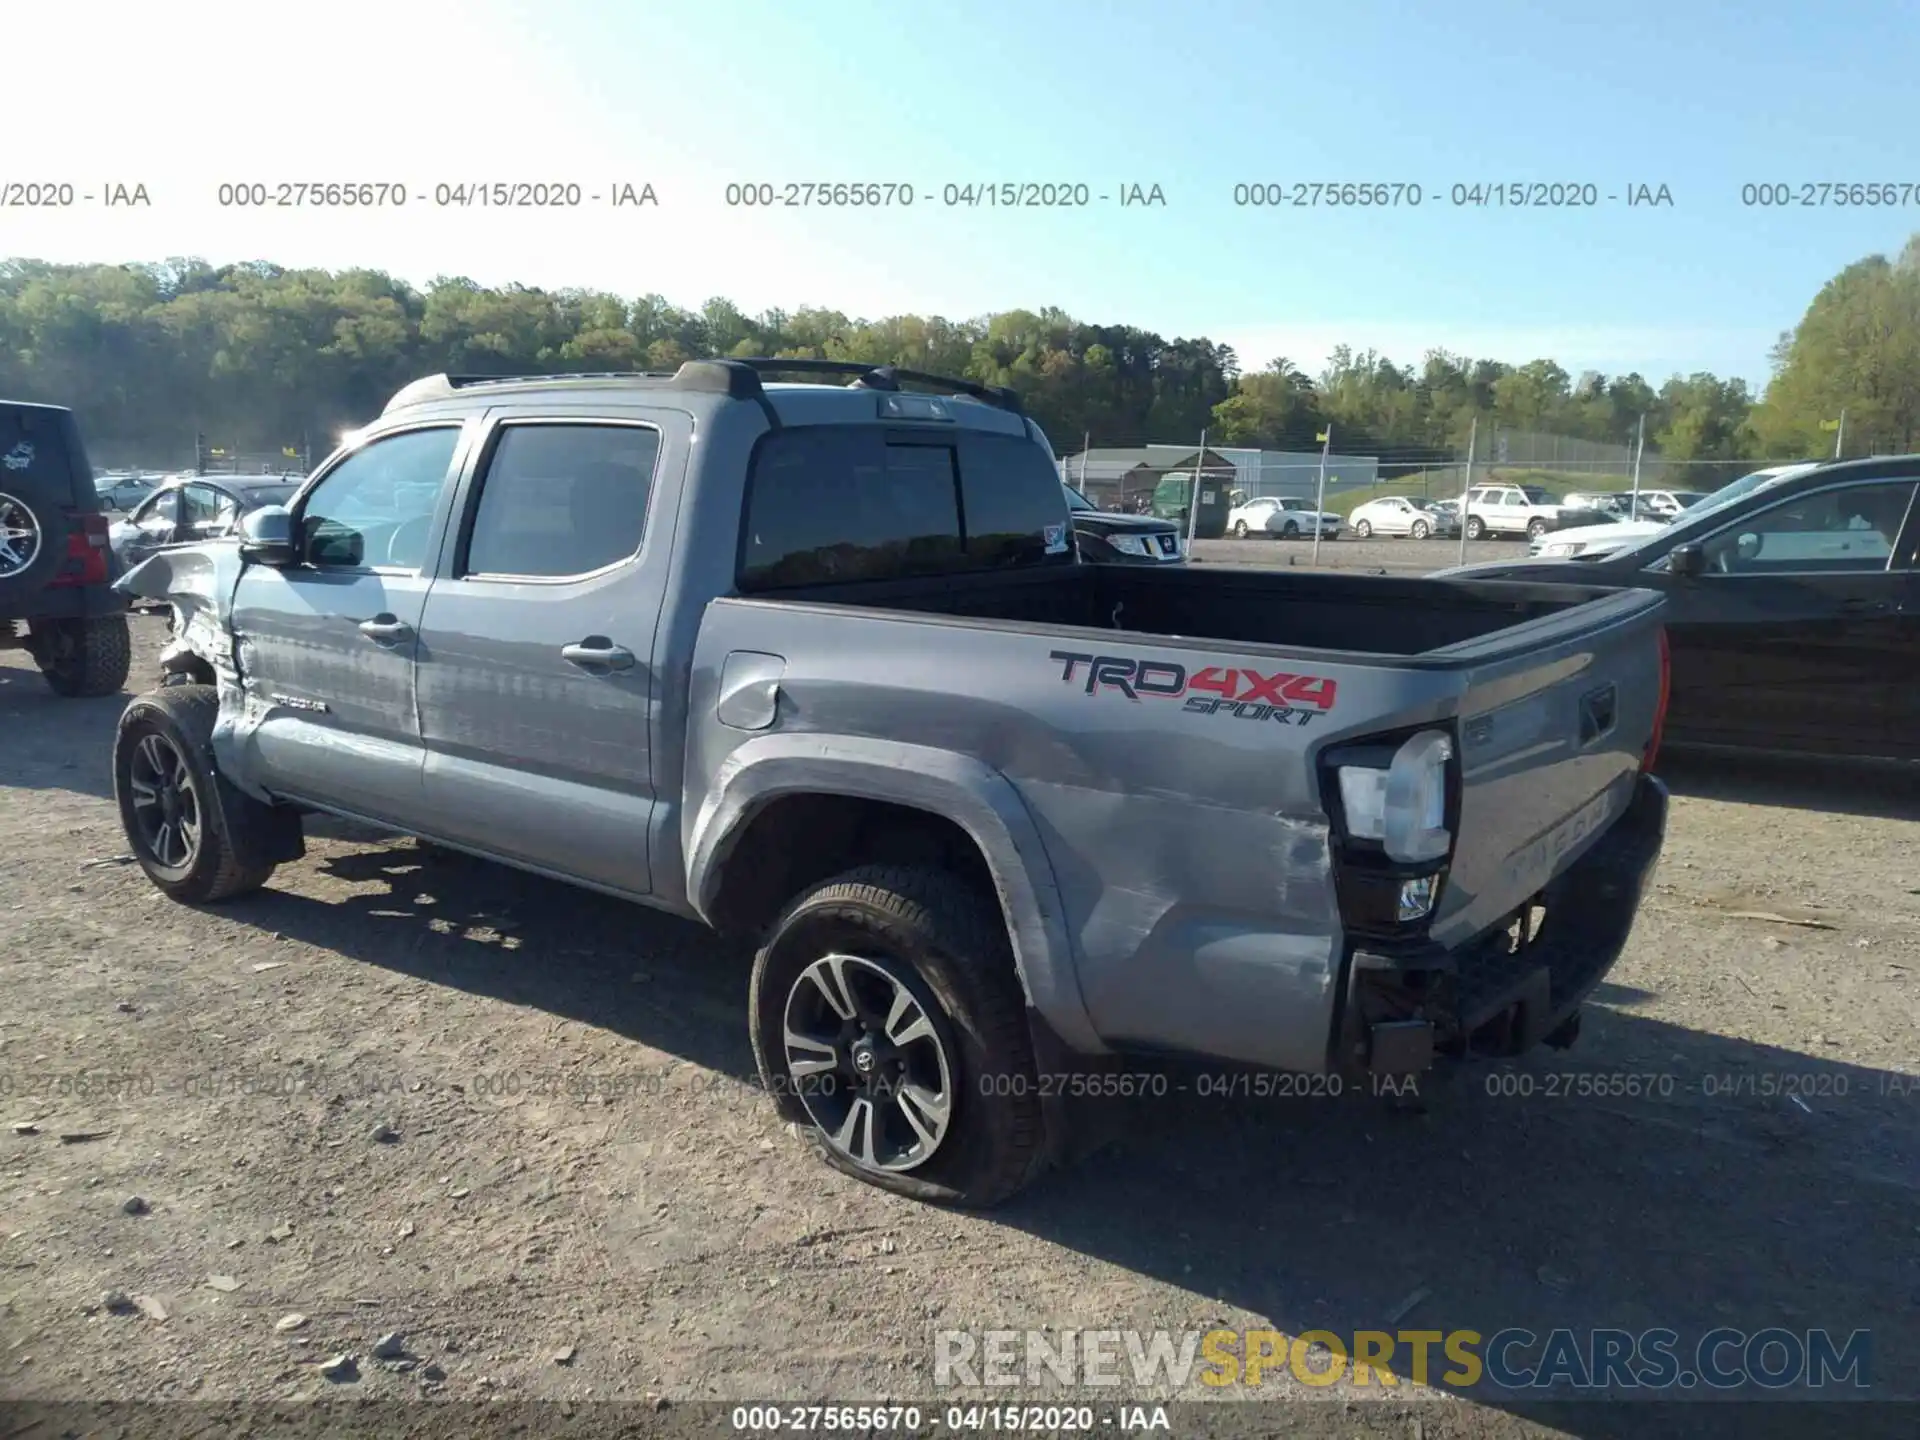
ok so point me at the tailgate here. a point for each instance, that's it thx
(1554, 723)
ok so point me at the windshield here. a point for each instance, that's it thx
(1726, 495)
(1538, 496)
(1293, 504)
(1075, 500)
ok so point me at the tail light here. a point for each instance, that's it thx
(87, 552)
(1652, 752)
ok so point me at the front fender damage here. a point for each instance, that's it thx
(199, 582)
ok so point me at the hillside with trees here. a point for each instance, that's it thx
(259, 357)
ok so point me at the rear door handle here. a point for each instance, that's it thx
(384, 627)
(598, 652)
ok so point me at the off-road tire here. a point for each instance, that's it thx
(950, 945)
(1362, 530)
(183, 715)
(83, 659)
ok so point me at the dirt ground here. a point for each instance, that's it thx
(579, 1194)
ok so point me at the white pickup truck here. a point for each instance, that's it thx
(1511, 510)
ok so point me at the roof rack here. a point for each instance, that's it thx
(738, 378)
(885, 377)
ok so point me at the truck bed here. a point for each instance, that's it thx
(1360, 615)
(1173, 767)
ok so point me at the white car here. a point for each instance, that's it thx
(1397, 515)
(1281, 515)
(1589, 542)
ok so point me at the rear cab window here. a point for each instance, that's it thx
(828, 504)
(34, 460)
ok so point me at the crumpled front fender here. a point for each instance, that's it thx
(199, 582)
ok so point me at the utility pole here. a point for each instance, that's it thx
(1840, 436)
(1473, 434)
(1320, 497)
(1086, 444)
(1639, 449)
(1193, 494)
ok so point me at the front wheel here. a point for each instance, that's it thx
(1536, 528)
(887, 1018)
(1362, 530)
(1421, 530)
(1476, 528)
(1239, 529)
(1292, 530)
(174, 806)
(83, 659)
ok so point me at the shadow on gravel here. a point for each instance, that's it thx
(51, 743)
(1653, 1176)
(499, 932)
(1877, 791)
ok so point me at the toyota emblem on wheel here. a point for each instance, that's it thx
(19, 536)
(868, 1063)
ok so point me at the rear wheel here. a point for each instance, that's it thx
(1476, 528)
(1421, 530)
(1362, 530)
(83, 659)
(887, 1018)
(174, 806)
(1239, 529)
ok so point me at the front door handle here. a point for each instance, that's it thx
(1860, 605)
(384, 627)
(598, 652)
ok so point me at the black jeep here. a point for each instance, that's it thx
(55, 563)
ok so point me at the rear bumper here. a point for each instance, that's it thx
(1518, 982)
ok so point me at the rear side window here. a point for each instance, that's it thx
(561, 500)
(830, 504)
(1010, 502)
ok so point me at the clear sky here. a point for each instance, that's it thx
(1195, 96)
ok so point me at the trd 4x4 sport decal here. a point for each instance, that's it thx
(1243, 694)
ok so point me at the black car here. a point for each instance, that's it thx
(189, 511)
(55, 564)
(1793, 611)
(1108, 537)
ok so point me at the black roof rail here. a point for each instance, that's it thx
(885, 377)
(739, 379)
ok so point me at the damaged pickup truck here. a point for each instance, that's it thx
(817, 663)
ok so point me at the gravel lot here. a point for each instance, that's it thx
(579, 1194)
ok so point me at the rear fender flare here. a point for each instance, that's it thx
(979, 799)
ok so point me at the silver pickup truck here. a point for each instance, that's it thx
(818, 663)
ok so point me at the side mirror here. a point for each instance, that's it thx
(1689, 562)
(266, 536)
